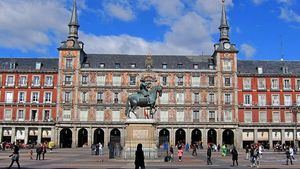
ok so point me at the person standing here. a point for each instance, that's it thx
(171, 153)
(44, 151)
(180, 153)
(209, 162)
(38, 152)
(139, 157)
(288, 156)
(15, 157)
(100, 152)
(194, 147)
(234, 156)
(247, 152)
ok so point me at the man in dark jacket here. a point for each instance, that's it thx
(209, 155)
(38, 152)
(139, 157)
(234, 156)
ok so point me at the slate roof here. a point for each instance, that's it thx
(28, 64)
(269, 67)
(125, 61)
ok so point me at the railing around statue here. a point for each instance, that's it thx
(149, 148)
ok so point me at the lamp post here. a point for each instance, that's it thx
(295, 109)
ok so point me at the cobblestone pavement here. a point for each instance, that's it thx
(82, 158)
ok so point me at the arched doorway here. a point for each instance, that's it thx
(99, 136)
(180, 136)
(196, 136)
(65, 138)
(211, 136)
(82, 137)
(228, 137)
(115, 136)
(164, 136)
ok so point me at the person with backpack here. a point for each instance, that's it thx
(234, 156)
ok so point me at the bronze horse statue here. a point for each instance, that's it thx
(138, 99)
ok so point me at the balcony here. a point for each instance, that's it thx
(23, 85)
(67, 83)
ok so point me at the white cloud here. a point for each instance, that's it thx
(289, 15)
(119, 9)
(258, 2)
(248, 50)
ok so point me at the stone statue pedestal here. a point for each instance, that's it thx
(140, 131)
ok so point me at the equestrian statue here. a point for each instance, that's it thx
(143, 98)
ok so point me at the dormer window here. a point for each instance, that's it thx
(179, 66)
(117, 65)
(260, 70)
(102, 65)
(133, 65)
(196, 66)
(12, 65)
(285, 70)
(164, 66)
(38, 65)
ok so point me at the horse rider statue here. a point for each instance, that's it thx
(144, 88)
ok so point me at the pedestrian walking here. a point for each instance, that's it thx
(139, 157)
(194, 153)
(247, 152)
(100, 152)
(234, 153)
(15, 157)
(288, 156)
(30, 154)
(171, 153)
(44, 151)
(38, 152)
(209, 162)
(180, 153)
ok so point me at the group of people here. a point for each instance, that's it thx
(41, 149)
(254, 154)
(97, 149)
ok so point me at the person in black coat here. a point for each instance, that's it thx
(139, 157)
(39, 151)
(234, 156)
(15, 156)
(209, 162)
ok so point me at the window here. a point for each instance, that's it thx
(133, 65)
(38, 65)
(287, 100)
(22, 97)
(117, 81)
(99, 97)
(260, 70)
(262, 117)
(298, 84)
(196, 116)
(211, 80)
(100, 80)
(288, 117)
(261, 84)
(46, 115)
(247, 83)
(180, 98)
(34, 97)
(7, 115)
(261, 99)
(117, 65)
(34, 114)
(12, 65)
(68, 80)
(67, 97)
(276, 117)
(116, 116)
(195, 81)
(132, 80)
(84, 79)
(84, 97)
(99, 115)
(227, 81)
(180, 81)
(227, 98)
(164, 80)
(66, 115)
(69, 63)
(247, 99)
(10, 80)
(48, 97)
(102, 65)
(180, 66)
(298, 100)
(211, 116)
(23, 81)
(164, 98)
(248, 117)
(274, 84)
(285, 70)
(164, 116)
(0, 80)
(49, 81)
(116, 98)
(196, 66)
(211, 98)
(196, 99)
(180, 116)
(83, 115)
(275, 100)
(21, 115)
(287, 84)
(227, 116)
(226, 65)
(164, 66)
(8, 97)
(36, 81)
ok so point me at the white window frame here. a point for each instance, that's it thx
(67, 115)
(100, 115)
(227, 116)
(275, 86)
(261, 120)
(19, 97)
(37, 115)
(21, 78)
(8, 83)
(83, 115)
(38, 97)
(245, 100)
(288, 119)
(180, 98)
(247, 83)
(273, 100)
(288, 102)
(276, 120)
(44, 114)
(297, 85)
(248, 119)
(195, 81)
(227, 65)
(261, 81)
(7, 117)
(12, 97)
(298, 99)
(287, 86)
(46, 81)
(262, 100)
(36, 83)
(115, 116)
(117, 81)
(45, 98)
(227, 98)
(180, 116)
(164, 116)
(18, 114)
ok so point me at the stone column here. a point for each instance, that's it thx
(282, 136)
(270, 139)
(39, 139)
(74, 137)
(13, 134)
(188, 136)
(89, 136)
(57, 136)
(238, 138)
(204, 137)
(92, 134)
(255, 136)
(26, 135)
(172, 136)
(219, 136)
(1, 134)
(53, 134)
(122, 141)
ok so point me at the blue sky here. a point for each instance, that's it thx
(261, 29)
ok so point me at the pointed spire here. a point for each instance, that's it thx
(224, 28)
(74, 25)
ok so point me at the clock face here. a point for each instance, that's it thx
(227, 45)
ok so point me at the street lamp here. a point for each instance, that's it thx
(295, 109)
